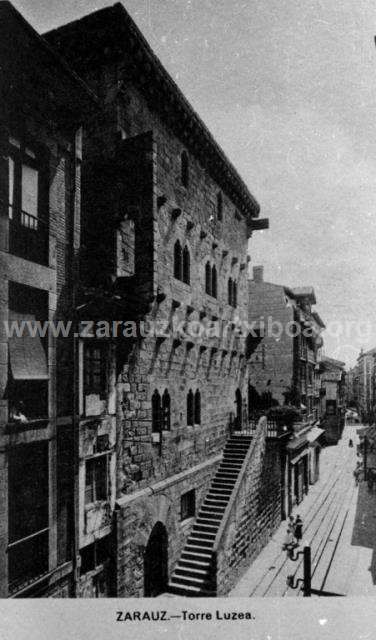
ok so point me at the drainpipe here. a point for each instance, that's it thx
(75, 213)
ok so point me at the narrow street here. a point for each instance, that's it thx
(339, 526)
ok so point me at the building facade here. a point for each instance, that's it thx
(166, 224)
(285, 352)
(333, 398)
(44, 105)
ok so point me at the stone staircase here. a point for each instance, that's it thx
(193, 574)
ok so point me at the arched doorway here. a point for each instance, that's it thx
(156, 562)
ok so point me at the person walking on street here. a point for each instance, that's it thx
(298, 529)
(289, 539)
(357, 473)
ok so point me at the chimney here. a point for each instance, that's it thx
(258, 274)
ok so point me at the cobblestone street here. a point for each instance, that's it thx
(339, 525)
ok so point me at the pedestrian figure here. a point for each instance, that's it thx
(357, 473)
(289, 540)
(350, 443)
(298, 529)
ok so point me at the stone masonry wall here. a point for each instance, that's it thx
(138, 514)
(215, 368)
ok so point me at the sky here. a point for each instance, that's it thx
(288, 88)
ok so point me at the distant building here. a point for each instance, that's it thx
(333, 397)
(284, 356)
(365, 385)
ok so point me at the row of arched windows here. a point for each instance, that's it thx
(211, 280)
(182, 268)
(232, 293)
(161, 411)
(193, 408)
(184, 176)
(182, 263)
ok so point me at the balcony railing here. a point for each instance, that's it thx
(27, 560)
(248, 425)
(28, 238)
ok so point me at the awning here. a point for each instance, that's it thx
(298, 457)
(297, 443)
(314, 434)
(27, 357)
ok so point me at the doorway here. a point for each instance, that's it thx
(156, 562)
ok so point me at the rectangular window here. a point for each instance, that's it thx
(95, 368)
(11, 186)
(29, 194)
(28, 519)
(96, 479)
(188, 505)
(28, 202)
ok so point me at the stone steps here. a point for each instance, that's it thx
(192, 574)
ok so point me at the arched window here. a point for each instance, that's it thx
(186, 265)
(230, 291)
(208, 278)
(234, 294)
(190, 408)
(238, 403)
(156, 410)
(214, 281)
(178, 260)
(184, 169)
(197, 407)
(219, 206)
(166, 411)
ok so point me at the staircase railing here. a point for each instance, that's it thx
(220, 559)
(248, 425)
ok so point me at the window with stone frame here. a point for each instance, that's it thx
(178, 261)
(188, 505)
(186, 266)
(219, 206)
(166, 411)
(229, 291)
(197, 408)
(182, 263)
(97, 478)
(208, 279)
(214, 290)
(190, 408)
(95, 368)
(232, 293)
(156, 410)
